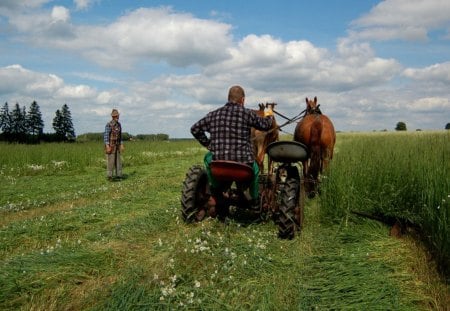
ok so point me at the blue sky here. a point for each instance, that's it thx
(164, 64)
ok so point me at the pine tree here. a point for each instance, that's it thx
(69, 131)
(62, 124)
(35, 125)
(58, 125)
(18, 128)
(5, 119)
(18, 121)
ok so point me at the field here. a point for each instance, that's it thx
(71, 240)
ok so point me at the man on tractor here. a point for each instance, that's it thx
(229, 129)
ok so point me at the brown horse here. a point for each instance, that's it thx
(316, 131)
(261, 139)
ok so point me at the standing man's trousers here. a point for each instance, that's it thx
(113, 162)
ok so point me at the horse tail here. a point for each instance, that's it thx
(316, 132)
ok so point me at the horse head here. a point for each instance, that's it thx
(312, 107)
(270, 106)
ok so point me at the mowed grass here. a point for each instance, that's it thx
(70, 240)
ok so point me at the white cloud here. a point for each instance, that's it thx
(145, 34)
(435, 73)
(270, 64)
(60, 14)
(76, 92)
(17, 79)
(353, 84)
(438, 104)
(49, 87)
(402, 19)
(104, 97)
(43, 84)
(82, 4)
(37, 25)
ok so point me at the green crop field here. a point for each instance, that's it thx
(71, 240)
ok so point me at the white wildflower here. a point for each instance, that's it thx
(36, 167)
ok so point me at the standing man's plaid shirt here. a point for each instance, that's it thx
(230, 129)
(107, 134)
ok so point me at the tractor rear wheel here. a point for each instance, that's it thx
(288, 206)
(194, 196)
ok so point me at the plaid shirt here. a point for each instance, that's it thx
(107, 134)
(230, 129)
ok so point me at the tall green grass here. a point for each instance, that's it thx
(71, 240)
(398, 175)
(20, 159)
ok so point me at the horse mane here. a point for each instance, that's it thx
(312, 107)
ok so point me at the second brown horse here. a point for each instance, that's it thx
(261, 139)
(317, 132)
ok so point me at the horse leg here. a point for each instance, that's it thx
(305, 168)
(327, 156)
(261, 159)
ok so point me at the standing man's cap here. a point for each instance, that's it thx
(114, 113)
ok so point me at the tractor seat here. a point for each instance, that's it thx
(229, 171)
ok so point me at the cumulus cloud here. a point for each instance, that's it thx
(38, 25)
(270, 64)
(410, 20)
(60, 14)
(78, 91)
(437, 104)
(436, 73)
(19, 80)
(15, 79)
(82, 4)
(152, 34)
(352, 82)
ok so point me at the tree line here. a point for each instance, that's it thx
(401, 126)
(20, 125)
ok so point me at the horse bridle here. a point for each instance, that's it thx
(315, 110)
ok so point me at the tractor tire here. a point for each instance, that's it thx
(289, 201)
(194, 196)
(300, 208)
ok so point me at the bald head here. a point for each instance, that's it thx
(236, 94)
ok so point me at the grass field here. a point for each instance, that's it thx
(70, 240)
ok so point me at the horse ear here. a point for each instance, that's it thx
(306, 99)
(315, 99)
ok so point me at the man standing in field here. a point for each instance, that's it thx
(112, 138)
(229, 129)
